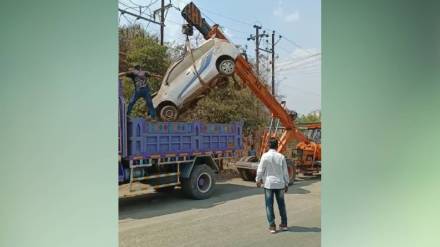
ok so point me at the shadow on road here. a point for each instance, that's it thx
(157, 204)
(304, 229)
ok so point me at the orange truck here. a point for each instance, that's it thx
(285, 130)
(307, 155)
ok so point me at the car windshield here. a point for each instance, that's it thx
(185, 61)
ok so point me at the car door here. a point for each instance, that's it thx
(200, 62)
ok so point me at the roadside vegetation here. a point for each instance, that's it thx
(227, 103)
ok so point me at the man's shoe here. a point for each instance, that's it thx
(272, 229)
(283, 227)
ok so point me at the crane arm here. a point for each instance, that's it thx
(244, 70)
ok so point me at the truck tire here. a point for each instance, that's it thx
(201, 183)
(244, 174)
(291, 168)
(247, 175)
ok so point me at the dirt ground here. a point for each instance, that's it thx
(233, 216)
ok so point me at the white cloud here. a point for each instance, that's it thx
(292, 17)
(285, 15)
(278, 12)
(228, 33)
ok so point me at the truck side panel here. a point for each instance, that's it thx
(164, 139)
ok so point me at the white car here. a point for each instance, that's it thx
(192, 74)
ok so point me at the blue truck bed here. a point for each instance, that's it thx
(162, 139)
(141, 139)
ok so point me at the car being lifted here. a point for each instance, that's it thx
(192, 74)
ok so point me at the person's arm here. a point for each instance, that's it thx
(154, 75)
(260, 171)
(285, 173)
(122, 74)
(127, 73)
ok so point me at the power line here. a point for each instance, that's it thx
(139, 16)
(302, 90)
(128, 20)
(250, 25)
(226, 17)
(144, 6)
(299, 59)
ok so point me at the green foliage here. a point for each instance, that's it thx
(227, 104)
(136, 46)
(221, 104)
(309, 118)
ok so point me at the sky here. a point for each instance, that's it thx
(298, 63)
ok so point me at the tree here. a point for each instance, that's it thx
(228, 104)
(312, 117)
(136, 46)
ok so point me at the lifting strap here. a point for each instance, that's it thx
(188, 46)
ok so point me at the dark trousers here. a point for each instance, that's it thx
(143, 92)
(269, 194)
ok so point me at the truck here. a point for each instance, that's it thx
(164, 155)
(307, 155)
(282, 124)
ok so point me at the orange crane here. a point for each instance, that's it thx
(307, 156)
(247, 165)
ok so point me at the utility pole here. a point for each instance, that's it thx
(272, 51)
(162, 20)
(160, 12)
(257, 47)
(273, 62)
(257, 38)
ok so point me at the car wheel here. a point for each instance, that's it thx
(168, 113)
(226, 66)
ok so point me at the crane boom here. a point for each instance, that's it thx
(244, 70)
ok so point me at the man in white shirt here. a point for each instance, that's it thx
(272, 173)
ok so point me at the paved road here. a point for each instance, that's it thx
(233, 216)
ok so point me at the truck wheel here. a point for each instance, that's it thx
(244, 174)
(200, 185)
(292, 173)
(165, 189)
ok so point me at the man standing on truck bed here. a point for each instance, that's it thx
(141, 89)
(272, 172)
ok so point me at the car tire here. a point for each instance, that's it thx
(201, 183)
(168, 112)
(226, 66)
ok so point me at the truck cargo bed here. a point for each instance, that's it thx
(147, 139)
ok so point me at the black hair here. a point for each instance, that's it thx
(273, 143)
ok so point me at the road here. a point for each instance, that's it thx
(233, 216)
